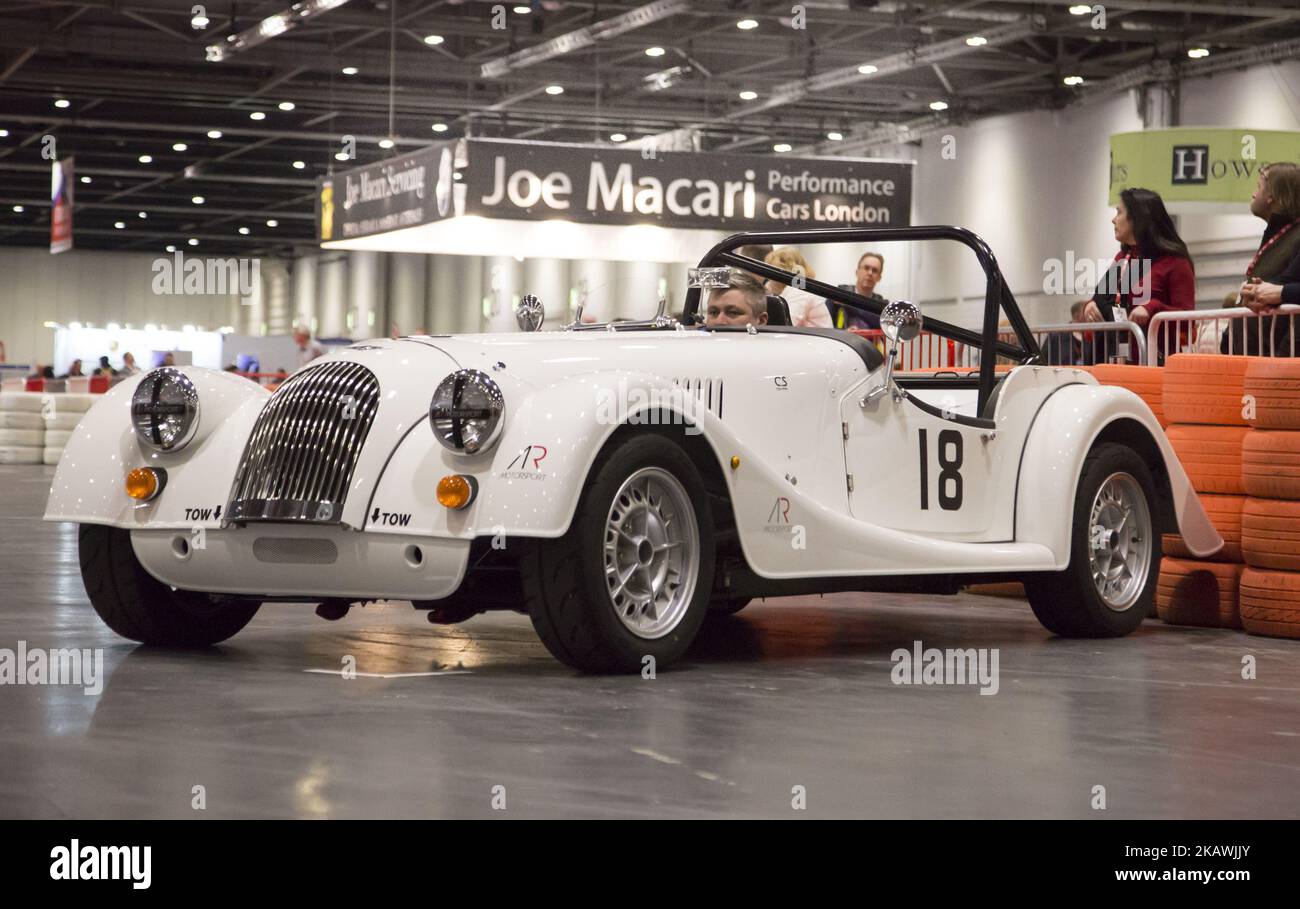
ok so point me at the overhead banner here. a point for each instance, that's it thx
(1197, 169)
(61, 183)
(710, 191)
(388, 195)
(587, 184)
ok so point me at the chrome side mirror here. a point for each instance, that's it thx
(901, 322)
(530, 313)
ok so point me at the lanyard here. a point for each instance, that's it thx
(1250, 269)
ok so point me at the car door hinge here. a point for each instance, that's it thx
(849, 478)
(844, 429)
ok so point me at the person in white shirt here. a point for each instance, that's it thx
(308, 348)
(806, 310)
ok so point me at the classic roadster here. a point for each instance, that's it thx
(618, 482)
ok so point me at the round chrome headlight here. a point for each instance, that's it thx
(165, 409)
(466, 411)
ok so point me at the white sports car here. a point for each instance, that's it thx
(617, 482)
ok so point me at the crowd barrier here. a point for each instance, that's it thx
(1236, 332)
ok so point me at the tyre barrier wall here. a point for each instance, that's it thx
(34, 427)
(1234, 422)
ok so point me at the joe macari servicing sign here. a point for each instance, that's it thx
(527, 180)
(389, 195)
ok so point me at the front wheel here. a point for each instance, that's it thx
(138, 606)
(1109, 585)
(631, 579)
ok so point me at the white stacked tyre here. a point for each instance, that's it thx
(22, 428)
(61, 419)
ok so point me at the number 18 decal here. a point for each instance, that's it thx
(950, 458)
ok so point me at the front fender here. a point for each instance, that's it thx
(1065, 430)
(88, 487)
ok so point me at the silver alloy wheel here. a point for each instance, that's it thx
(652, 553)
(1120, 539)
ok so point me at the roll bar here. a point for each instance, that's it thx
(997, 297)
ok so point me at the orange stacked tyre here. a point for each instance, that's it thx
(1147, 382)
(1202, 401)
(1270, 520)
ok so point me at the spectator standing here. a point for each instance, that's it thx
(806, 310)
(128, 365)
(1273, 275)
(871, 267)
(1152, 272)
(308, 347)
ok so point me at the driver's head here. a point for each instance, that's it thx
(742, 302)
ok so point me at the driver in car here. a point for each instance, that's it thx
(742, 302)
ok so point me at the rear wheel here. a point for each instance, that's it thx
(1109, 586)
(138, 606)
(631, 578)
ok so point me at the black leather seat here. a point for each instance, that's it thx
(778, 311)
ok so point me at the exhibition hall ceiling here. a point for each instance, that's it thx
(210, 122)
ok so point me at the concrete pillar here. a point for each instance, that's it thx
(592, 281)
(277, 298)
(365, 294)
(639, 285)
(331, 296)
(304, 291)
(548, 280)
(502, 279)
(406, 293)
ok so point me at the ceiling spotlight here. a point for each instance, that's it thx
(142, 214)
(299, 165)
(439, 127)
(85, 179)
(62, 103)
(179, 146)
(199, 22)
(4, 134)
(386, 143)
(145, 159)
(214, 134)
(1073, 80)
(746, 24)
(867, 69)
(19, 209)
(349, 70)
(555, 89)
(1197, 53)
(342, 156)
(781, 147)
(272, 223)
(748, 95)
(1080, 9)
(938, 105)
(257, 115)
(286, 105)
(977, 41)
(523, 10)
(244, 231)
(654, 51)
(834, 136)
(193, 241)
(198, 200)
(433, 40)
(617, 137)
(120, 225)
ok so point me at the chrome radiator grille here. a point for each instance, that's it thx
(304, 446)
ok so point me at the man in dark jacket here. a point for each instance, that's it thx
(1273, 276)
(871, 266)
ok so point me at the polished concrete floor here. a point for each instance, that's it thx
(790, 693)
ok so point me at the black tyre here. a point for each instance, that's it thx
(1110, 584)
(138, 606)
(631, 579)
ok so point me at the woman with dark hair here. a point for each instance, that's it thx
(1152, 272)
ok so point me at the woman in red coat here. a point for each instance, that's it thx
(1152, 273)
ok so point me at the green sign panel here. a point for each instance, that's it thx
(1197, 167)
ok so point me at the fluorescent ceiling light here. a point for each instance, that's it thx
(747, 24)
(271, 27)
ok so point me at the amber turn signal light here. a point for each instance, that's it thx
(144, 483)
(456, 491)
